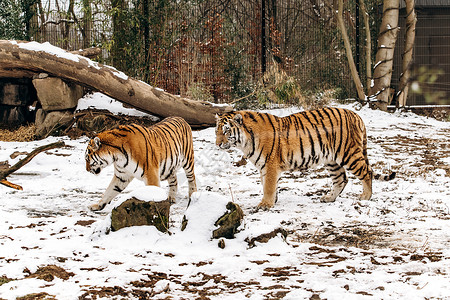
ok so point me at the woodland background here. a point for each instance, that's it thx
(216, 50)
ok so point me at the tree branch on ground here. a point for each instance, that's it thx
(24, 161)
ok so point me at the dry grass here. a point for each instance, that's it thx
(21, 134)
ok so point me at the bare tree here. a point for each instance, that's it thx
(348, 50)
(410, 35)
(380, 91)
(368, 46)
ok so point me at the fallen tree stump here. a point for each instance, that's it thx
(4, 173)
(229, 222)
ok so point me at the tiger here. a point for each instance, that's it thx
(150, 154)
(333, 137)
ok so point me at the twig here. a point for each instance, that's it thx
(231, 192)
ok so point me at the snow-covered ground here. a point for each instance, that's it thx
(396, 245)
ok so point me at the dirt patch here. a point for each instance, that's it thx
(4, 279)
(85, 222)
(361, 236)
(427, 151)
(265, 237)
(48, 273)
(37, 296)
(102, 292)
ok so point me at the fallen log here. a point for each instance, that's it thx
(28, 58)
(24, 161)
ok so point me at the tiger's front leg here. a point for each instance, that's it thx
(117, 185)
(173, 186)
(270, 182)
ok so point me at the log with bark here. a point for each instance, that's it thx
(25, 59)
(4, 173)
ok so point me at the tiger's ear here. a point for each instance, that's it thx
(97, 143)
(238, 119)
(217, 116)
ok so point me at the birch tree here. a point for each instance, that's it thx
(384, 59)
(410, 36)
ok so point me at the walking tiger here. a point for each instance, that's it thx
(149, 154)
(334, 137)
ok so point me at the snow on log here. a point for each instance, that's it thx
(24, 59)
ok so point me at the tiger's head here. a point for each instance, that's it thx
(97, 156)
(228, 130)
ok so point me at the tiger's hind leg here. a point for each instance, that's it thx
(360, 168)
(339, 179)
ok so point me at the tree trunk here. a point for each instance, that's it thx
(87, 24)
(28, 58)
(368, 47)
(119, 28)
(380, 91)
(348, 50)
(410, 36)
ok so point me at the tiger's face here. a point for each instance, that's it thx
(94, 160)
(228, 132)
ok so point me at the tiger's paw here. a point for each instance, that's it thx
(365, 196)
(241, 162)
(264, 206)
(96, 207)
(327, 199)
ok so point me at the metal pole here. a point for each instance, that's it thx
(263, 36)
(357, 35)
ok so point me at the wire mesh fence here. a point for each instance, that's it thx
(431, 54)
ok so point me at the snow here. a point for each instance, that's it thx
(101, 101)
(49, 48)
(61, 53)
(405, 253)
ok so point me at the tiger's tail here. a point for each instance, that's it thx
(375, 176)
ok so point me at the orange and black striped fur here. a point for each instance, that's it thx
(333, 137)
(148, 154)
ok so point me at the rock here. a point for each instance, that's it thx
(134, 212)
(40, 117)
(221, 244)
(229, 222)
(15, 92)
(40, 76)
(54, 122)
(13, 115)
(55, 94)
